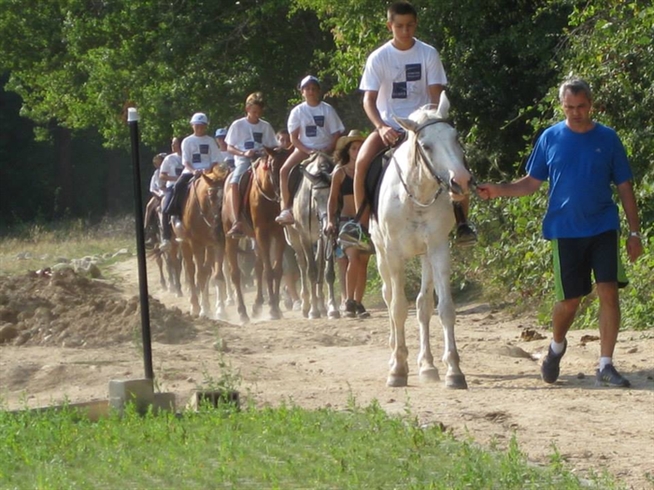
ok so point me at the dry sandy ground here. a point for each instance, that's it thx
(76, 335)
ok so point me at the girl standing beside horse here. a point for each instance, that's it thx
(353, 262)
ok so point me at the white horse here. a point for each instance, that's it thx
(414, 217)
(312, 248)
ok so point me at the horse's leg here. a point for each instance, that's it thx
(220, 282)
(391, 269)
(189, 266)
(203, 263)
(158, 258)
(424, 309)
(277, 271)
(258, 276)
(174, 262)
(330, 275)
(229, 287)
(231, 250)
(320, 275)
(440, 260)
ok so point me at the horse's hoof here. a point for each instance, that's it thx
(395, 381)
(314, 315)
(244, 319)
(334, 314)
(275, 314)
(456, 381)
(429, 375)
(305, 314)
(178, 294)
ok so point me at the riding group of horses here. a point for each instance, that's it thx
(412, 216)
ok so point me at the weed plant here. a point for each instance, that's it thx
(278, 448)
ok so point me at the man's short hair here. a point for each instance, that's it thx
(401, 8)
(576, 86)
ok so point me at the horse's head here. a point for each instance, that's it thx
(217, 173)
(318, 170)
(275, 158)
(434, 143)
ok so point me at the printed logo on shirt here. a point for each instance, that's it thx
(258, 137)
(311, 131)
(413, 72)
(319, 120)
(249, 145)
(196, 158)
(399, 90)
(204, 149)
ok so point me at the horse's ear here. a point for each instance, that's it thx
(407, 124)
(443, 106)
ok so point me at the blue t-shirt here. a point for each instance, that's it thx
(580, 168)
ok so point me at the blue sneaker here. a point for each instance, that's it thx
(609, 376)
(549, 369)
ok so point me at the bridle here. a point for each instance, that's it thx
(212, 194)
(425, 161)
(276, 197)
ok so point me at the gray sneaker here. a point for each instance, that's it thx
(549, 369)
(609, 376)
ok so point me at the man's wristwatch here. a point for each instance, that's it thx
(636, 234)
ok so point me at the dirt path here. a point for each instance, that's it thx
(324, 362)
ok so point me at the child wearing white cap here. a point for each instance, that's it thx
(314, 126)
(199, 153)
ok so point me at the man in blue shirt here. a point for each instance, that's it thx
(581, 159)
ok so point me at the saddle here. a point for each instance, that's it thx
(374, 178)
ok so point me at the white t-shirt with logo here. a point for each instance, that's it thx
(156, 184)
(402, 78)
(317, 124)
(247, 136)
(172, 166)
(201, 152)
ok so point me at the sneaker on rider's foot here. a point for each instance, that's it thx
(165, 245)
(236, 231)
(361, 311)
(350, 309)
(285, 217)
(465, 235)
(609, 376)
(549, 369)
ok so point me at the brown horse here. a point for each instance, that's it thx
(259, 212)
(203, 245)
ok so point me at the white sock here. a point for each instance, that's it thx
(604, 361)
(557, 347)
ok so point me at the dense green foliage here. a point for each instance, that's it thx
(78, 64)
(287, 447)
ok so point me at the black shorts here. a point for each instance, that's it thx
(575, 258)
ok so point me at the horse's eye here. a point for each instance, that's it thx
(425, 147)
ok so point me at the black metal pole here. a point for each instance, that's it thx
(132, 119)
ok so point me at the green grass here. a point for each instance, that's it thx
(281, 448)
(33, 247)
